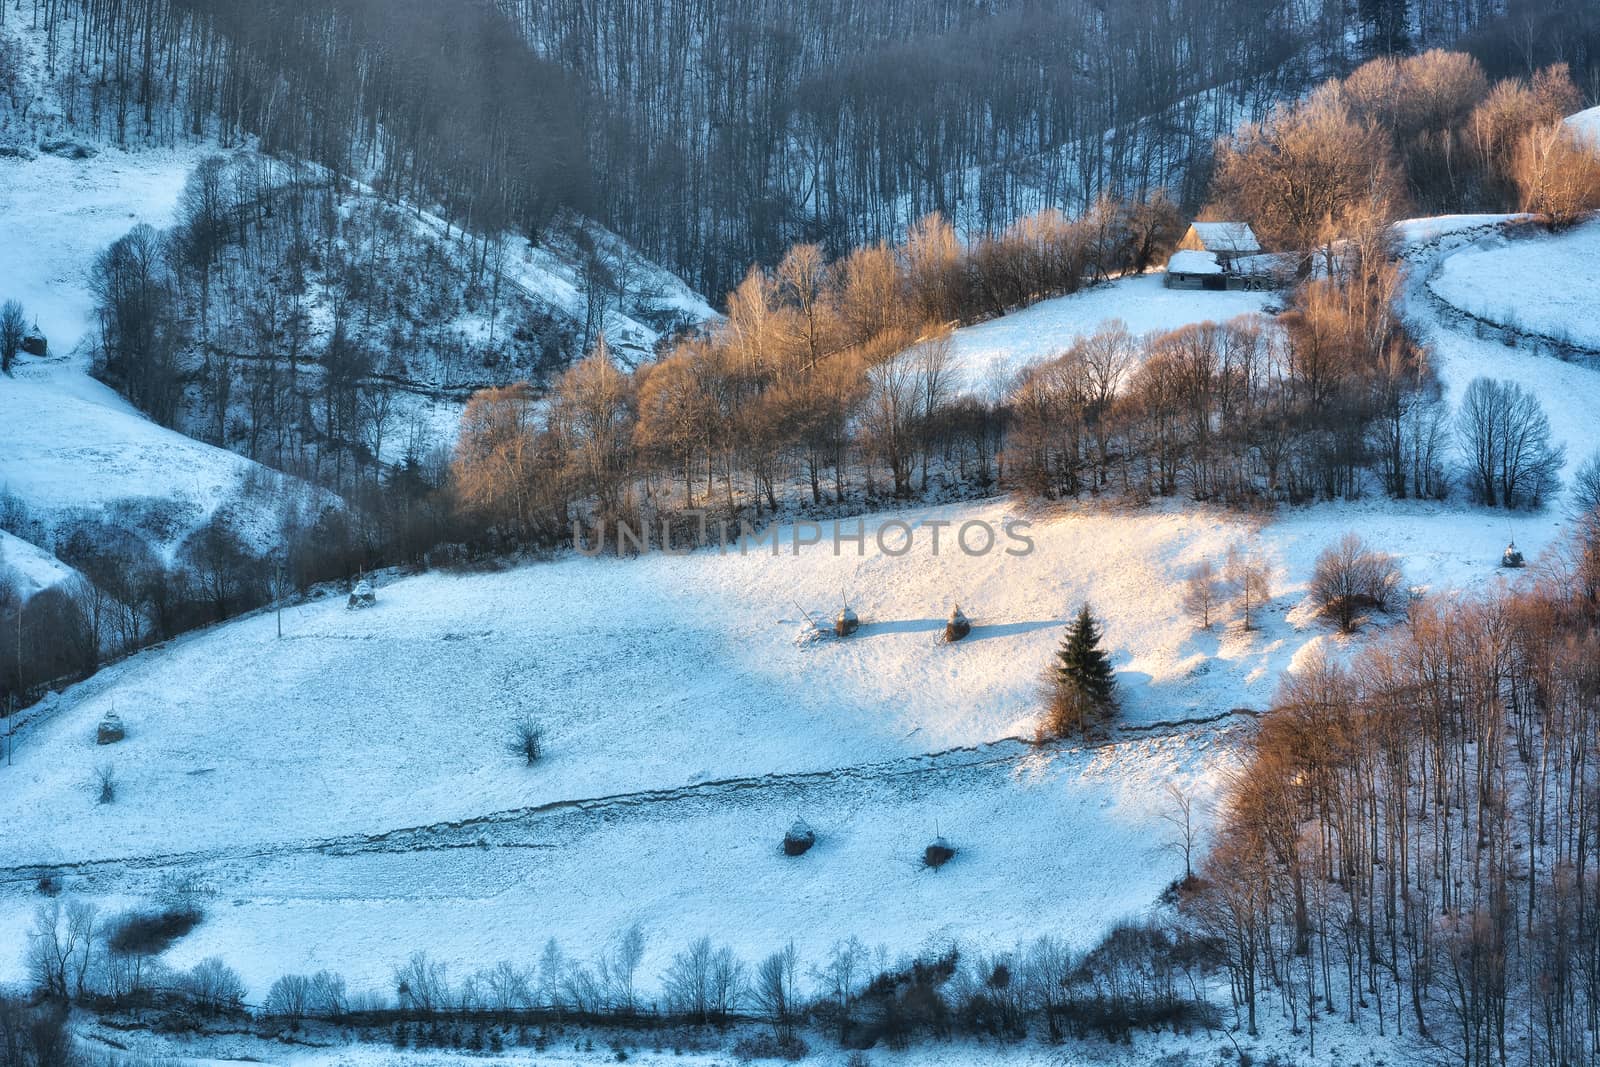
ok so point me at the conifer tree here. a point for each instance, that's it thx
(1082, 668)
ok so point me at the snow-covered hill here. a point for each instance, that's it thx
(325, 783)
(69, 446)
(1542, 285)
(985, 357)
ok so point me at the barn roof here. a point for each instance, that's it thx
(1226, 237)
(1189, 262)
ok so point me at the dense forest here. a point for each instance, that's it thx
(715, 133)
(732, 128)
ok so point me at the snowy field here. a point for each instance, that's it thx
(987, 356)
(1544, 284)
(345, 791)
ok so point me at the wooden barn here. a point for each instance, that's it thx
(1222, 256)
(1227, 241)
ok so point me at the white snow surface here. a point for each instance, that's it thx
(987, 356)
(57, 215)
(1544, 284)
(32, 568)
(1587, 125)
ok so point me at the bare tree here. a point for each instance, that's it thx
(1180, 816)
(1202, 593)
(1504, 436)
(1250, 579)
(775, 992)
(626, 956)
(688, 980)
(1557, 174)
(289, 997)
(1350, 577)
(13, 328)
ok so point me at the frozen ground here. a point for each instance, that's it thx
(988, 355)
(1587, 124)
(1543, 284)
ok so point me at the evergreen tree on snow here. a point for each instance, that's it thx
(1082, 666)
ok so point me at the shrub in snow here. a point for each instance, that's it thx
(938, 854)
(67, 149)
(150, 933)
(362, 595)
(105, 783)
(799, 839)
(957, 626)
(527, 741)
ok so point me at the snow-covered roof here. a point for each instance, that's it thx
(1226, 237)
(1189, 262)
(1266, 264)
(1586, 124)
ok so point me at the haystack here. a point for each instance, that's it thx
(362, 595)
(1512, 557)
(938, 854)
(845, 623)
(110, 730)
(957, 626)
(34, 343)
(799, 839)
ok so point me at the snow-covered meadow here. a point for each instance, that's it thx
(987, 356)
(345, 793)
(1543, 285)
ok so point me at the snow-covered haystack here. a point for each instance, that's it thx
(799, 839)
(845, 623)
(1512, 557)
(34, 343)
(110, 730)
(957, 626)
(362, 596)
(938, 854)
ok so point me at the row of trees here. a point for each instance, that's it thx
(821, 372)
(1411, 846)
(1426, 132)
(1136, 977)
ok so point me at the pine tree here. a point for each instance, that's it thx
(1082, 666)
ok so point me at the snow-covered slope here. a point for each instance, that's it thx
(1587, 125)
(1541, 284)
(69, 446)
(985, 357)
(30, 567)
